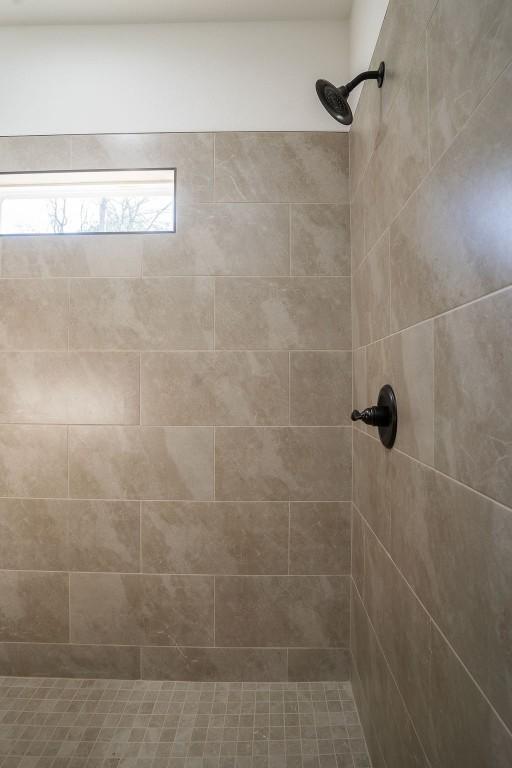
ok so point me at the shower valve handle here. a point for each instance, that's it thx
(375, 416)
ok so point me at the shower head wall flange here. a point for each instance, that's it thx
(335, 99)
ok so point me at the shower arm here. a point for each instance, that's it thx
(373, 74)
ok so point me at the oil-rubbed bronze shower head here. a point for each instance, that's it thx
(335, 100)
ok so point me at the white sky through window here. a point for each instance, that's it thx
(87, 202)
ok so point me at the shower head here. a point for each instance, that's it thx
(335, 100)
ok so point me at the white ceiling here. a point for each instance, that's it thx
(38, 12)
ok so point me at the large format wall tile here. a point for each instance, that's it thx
(81, 661)
(72, 256)
(35, 153)
(312, 664)
(370, 295)
(396, 735)
(228, 388)
(164, 313)
(298, 463)
(320, 240)
(34, 607)
(190, 153)
(464, 729)
(402, 626)
(310, 611)
(106, 608)
(282, 313)
(33, 535)
(401, 35)
(104, 535)
(320, 388)
(222, 240)
(33, 314)
(281, 167)
(453, 546)
(406, 361)
(461, 71)
(141, 610)
(320, 538)
(401, 159)
(178, 610)
(372, 467)
(219, 537)
(33, 461)
(134, 462)
(473, 390)
(452, 241)
(69, 387)
(213, 664)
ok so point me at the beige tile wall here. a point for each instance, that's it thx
(431, 216)
(175, 450)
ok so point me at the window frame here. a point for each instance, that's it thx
(97, 234)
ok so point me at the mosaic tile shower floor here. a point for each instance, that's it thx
(61, 723)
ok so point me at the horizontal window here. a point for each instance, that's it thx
(87, 202)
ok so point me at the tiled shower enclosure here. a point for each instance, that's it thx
(175, 450)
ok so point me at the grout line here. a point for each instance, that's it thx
(214, 611)
(192, 575)
(289, 534)
(443, 474)
(432, 621)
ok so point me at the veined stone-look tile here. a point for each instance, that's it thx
(222, 239)
(277, 464)
(310, 611)
(281, 167)
(163, 313)
(473, 389)
(106, 608)
(178, 388)
(190, 153)
(78, 661)
(178, 610)
(452, 241)
(228, 388)
(401, 35)
(320, 239)
(310, 664)
(386, 711)
(357, 549)
(33, 461)
(34, 314)
(251, 388)
(33, 535)
(357, 241)
(371, 295)
(220, 537)
(406, 361)
(34, 607)
(141, 610)
(283, 313)
(402, 626)
(464, 728)
(214, 664)
(72, 255)
(372, 467)
(69, 387)
(320, 388)
(401, 159)
(454, 548)
(461, 74)
(104, 535)
(360, 385)
(141, 462)
(320, 538)
(35, 153)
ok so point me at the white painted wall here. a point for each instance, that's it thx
(364, 27)
(169, 77)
